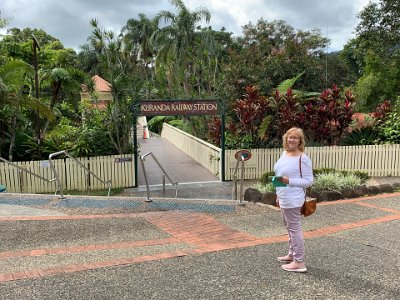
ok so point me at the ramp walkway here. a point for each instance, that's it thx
(177, 164)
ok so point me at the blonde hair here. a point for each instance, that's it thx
(297, 131)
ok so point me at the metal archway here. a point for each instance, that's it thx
(178, 107)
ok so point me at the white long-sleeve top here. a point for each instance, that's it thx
(293, 194)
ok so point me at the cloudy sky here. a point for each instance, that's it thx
(68, 20)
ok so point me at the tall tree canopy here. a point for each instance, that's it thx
(375, 53)
(271, 52)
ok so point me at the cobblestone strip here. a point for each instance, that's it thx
(390, 210)
(87, 266)
(200, 230)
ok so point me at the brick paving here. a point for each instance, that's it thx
(202, 232)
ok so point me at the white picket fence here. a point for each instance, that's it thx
(117, 168)
(376, 160)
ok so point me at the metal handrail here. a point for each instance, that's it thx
(20, 170)
(234, 192)
(163, 176)
(57, 177)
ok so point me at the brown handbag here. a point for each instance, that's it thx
(310, 204)
(309, 207)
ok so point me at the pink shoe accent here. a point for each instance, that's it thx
(295, 266)
(286, 258)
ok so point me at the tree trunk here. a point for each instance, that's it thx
(56, 86)
(12, 136)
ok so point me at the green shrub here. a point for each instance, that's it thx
(316, 172)
(335, 181)
(325, 179)
(266, 178)
(263, 188)
(326, 182)
(362, 136)
(362, 175)
(390, 129)
(349, 181)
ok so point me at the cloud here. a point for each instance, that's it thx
(68, 20)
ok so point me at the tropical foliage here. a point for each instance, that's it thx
(261, 121)
(375, 54)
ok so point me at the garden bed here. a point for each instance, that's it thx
(254, 195)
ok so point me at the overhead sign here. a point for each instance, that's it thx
(245, 154)
(179, 107)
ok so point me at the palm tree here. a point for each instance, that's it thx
(117, 69)
(175, 42)
(136, 36)
(15, 78)
(111, 54)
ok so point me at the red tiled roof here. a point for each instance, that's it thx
(101, 85)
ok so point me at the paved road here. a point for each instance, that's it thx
(352, 252)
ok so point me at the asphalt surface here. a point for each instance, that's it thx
(352, 252)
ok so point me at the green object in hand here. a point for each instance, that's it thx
(276, 181)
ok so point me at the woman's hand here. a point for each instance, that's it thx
(284, 180)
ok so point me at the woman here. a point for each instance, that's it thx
(291, 197)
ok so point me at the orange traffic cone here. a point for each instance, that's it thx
(144, 132)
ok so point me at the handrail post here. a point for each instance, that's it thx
(57, 177)
(20, 180)
(87, 184)
(55, 173)
(241, 158)
(241, 182)
(234, 192)
(145, 179)
(109, 188)
(164, 174)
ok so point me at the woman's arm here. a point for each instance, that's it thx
(307, 178)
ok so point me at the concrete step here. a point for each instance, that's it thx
(190, 190)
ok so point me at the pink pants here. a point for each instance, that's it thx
(292, 221)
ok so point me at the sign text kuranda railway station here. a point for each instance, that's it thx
(181, 107)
